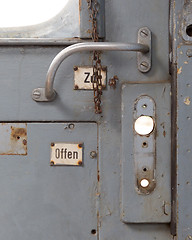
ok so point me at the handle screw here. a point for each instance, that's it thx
(144, 66)
(36, 94)
(144, 33)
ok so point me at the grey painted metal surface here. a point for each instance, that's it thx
(181, 62)
(25, 179)
(43, 202)
(151, 207)
(184, 166)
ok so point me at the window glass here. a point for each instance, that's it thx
(51, 19)
(19, 13)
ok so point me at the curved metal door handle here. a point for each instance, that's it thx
(143, 47)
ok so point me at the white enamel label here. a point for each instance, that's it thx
(66, 154)
(82, 78)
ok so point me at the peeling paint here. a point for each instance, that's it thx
(179, 70)
(187, 101)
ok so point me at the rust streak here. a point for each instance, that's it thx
(164, 133)
(98, 175)
(80, 5)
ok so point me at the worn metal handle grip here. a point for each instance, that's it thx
(49, 94)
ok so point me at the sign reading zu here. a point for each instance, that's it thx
(83, 80)
(66, 154)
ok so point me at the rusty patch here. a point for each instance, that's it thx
(113, 82)
(98, 176)
(164, 133)
(13, 139)
(17, 133)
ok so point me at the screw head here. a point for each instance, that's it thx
(144, 33)
(93, 154)
(36, 94)
(75, 68)
(144, 66)
(51, 163)
(52, 144)
(80, 145)
(76, 87)
(80, 163)
(71, 126)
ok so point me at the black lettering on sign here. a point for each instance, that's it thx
(87, 77)
(65, 154)
(69, 155)
(75, 155)
(57, 153)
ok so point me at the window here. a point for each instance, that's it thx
(39, 19)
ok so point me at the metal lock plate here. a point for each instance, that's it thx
(150, 204)
(144, 144)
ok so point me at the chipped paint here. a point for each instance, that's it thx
(13, 139)
(179, 70)
(189, 237)
(187, 101)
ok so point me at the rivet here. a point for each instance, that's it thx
(75, 68)
(80, 145)
(51, 163)
(80, 163)
(93, 154)
(71, 126)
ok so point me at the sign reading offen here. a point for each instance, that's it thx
(66, 154)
